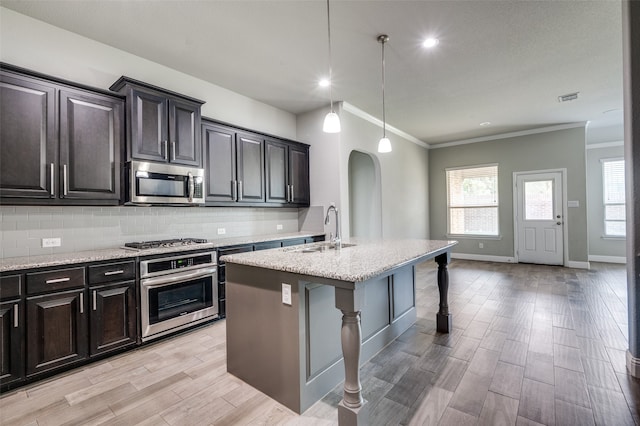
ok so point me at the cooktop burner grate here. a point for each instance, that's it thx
(176, 242)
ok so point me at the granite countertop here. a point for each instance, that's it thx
(58, 259)
(362, 261)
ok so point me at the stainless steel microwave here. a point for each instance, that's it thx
(165, 184)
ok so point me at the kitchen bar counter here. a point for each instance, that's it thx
(59, 259)
(282, 325)
(358, 260)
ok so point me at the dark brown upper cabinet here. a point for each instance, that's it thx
(287, 173)
(162, 126)
(234, 165)
(59, 144)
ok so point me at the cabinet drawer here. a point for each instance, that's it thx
(120, 271)
(41, 282)
(10, 287)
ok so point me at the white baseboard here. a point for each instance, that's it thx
(509, 259)
(483, 257)
(633, 365)
(607, 259)
(577, 265)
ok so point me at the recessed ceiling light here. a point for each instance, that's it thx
(485, 123)
(324, 83)
(430, 42)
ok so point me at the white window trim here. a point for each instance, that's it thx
(606, 236)
(497, 236)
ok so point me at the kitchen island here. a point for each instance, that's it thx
(285, 336)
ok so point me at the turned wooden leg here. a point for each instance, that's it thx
(444, 322)
(351, 337)
(352, 410)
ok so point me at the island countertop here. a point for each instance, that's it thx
(359, 261)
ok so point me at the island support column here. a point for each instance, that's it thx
(444, 322)
(352, 410)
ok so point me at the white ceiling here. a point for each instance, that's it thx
(505, 62)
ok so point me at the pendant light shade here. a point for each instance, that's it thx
(385, 144)
(331, 121)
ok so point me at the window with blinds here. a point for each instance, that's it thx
(472, 200)
(614, 198)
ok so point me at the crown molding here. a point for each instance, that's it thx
(371, 119)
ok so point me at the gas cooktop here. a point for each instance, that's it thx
(176, 242)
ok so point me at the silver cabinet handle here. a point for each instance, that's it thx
(239, 190)
(173, 150)
(65, 180)
(82, 303)
(58, 280)
(95, 302)
(291, 192)
(52, 176)
(15, 316)
(234, 190)
(119, 271)
(165, 151)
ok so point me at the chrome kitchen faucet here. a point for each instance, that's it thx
(336, 240)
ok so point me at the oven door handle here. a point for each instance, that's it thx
(176, 278)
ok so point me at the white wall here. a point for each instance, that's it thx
(41, 47)
(559, 149)
(403, 172)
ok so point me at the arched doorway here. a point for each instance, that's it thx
(365, 204)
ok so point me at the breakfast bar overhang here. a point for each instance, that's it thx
(282, 325)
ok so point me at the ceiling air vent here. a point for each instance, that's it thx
(568, 97)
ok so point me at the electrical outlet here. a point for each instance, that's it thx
(222, 231)
(51, 242)
(481, 245)
(286, 294)
(279, 227)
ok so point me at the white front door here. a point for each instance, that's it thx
(539, 221)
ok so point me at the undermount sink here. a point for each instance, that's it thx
(321, 247)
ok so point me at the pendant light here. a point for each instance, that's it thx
(331, 120)
(385, 144)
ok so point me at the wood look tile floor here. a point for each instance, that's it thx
(531, 345)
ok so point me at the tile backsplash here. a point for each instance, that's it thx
(88, 228)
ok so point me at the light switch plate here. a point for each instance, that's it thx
(286, 294)
(278, 227)
(222, 231)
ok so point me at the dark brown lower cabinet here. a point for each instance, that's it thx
(113, 317)
(56, 330)
(12, 350)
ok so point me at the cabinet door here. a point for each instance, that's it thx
(113, 317)
(27, 138)
(149, 127)
(219, 163)
(56, 330)
(184, 133)
(91, 135)
(299, 175)
(276, 172)
(250, 160)
(12, 350)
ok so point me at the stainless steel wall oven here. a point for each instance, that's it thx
(177, 292)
